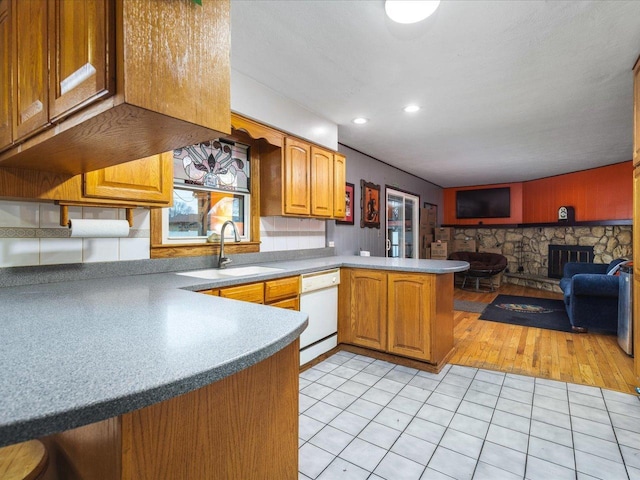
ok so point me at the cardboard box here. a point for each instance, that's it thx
(428, 216)
(439, 250)
(444, 234)
(425, 252)
(464, 245)
(425, 236)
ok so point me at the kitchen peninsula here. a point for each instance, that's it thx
(137, 377)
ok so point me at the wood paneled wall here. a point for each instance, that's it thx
(516, 206)
(604, 193)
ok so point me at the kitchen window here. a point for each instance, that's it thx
(212, 183)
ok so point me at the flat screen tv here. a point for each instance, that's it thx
(484, 203)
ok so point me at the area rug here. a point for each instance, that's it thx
(528, 312)
(469, 306)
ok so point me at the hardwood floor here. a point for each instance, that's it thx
(588, 359)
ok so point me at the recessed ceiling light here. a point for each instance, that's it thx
(410, 11)
(411, 108)
(360, 120)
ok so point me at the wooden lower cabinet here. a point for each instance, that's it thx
(251, 292)
(289, 304)
(282, 292)
(636, 270)
(408, 314)
(241, 427)
(367, 314)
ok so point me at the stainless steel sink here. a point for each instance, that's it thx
(213, 273)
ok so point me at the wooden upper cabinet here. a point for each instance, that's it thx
(339, 185)
(368, 313)
(78, 41)
(410, 317)
(636, 113)
(30, 72)
(297, 177)
(6, 124)
(321, 182)
(148, 180)
(169, 62)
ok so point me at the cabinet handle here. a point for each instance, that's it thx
(388, 244)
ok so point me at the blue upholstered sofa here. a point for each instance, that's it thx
(591, 295)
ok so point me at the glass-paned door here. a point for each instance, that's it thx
(402, 224)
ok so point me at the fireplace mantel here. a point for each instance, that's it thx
(587, 223)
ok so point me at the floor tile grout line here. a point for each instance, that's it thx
(440, 381)
(615, 435)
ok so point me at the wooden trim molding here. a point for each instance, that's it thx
(256, 130)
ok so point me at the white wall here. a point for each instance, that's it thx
(254, 100)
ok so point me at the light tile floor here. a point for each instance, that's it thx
(364, 418)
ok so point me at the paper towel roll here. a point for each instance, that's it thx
(99, 228)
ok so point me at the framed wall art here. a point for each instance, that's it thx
(370, 205)
(348, 204)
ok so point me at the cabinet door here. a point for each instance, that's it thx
(30, 88)
(252, 292)
(368, 309)
(636, 269)
(321, 182)
(410, 315)
(5, 74)
(78, 40)
(339, 184)
(636, 114)
(146, 180)
(296, 177)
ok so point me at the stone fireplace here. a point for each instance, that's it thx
(527, 248)
(561, 254)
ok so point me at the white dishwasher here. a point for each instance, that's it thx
(319, 300)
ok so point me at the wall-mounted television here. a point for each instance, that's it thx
(484, 203)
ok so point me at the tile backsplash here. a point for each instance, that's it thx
(30, 234)
(287, 233)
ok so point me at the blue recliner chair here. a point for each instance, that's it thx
(591, 295)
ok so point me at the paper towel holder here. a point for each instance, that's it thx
(64, 211)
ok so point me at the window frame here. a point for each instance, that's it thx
(160, 249)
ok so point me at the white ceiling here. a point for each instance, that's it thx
(509, 90)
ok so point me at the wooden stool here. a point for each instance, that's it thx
(23, 461)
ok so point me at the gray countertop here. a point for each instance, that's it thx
(78, 352)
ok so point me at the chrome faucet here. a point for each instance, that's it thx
(222, 260)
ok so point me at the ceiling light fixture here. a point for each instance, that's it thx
(411, 108)
(360, 120)
(410, 11)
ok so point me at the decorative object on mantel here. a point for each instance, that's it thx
(369, 205)
(348, 202)
(566, 214)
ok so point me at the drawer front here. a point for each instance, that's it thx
(212, 291)
(289, 304)
(281, 288)
(253, 292)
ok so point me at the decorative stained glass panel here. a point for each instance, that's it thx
(217, 164)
